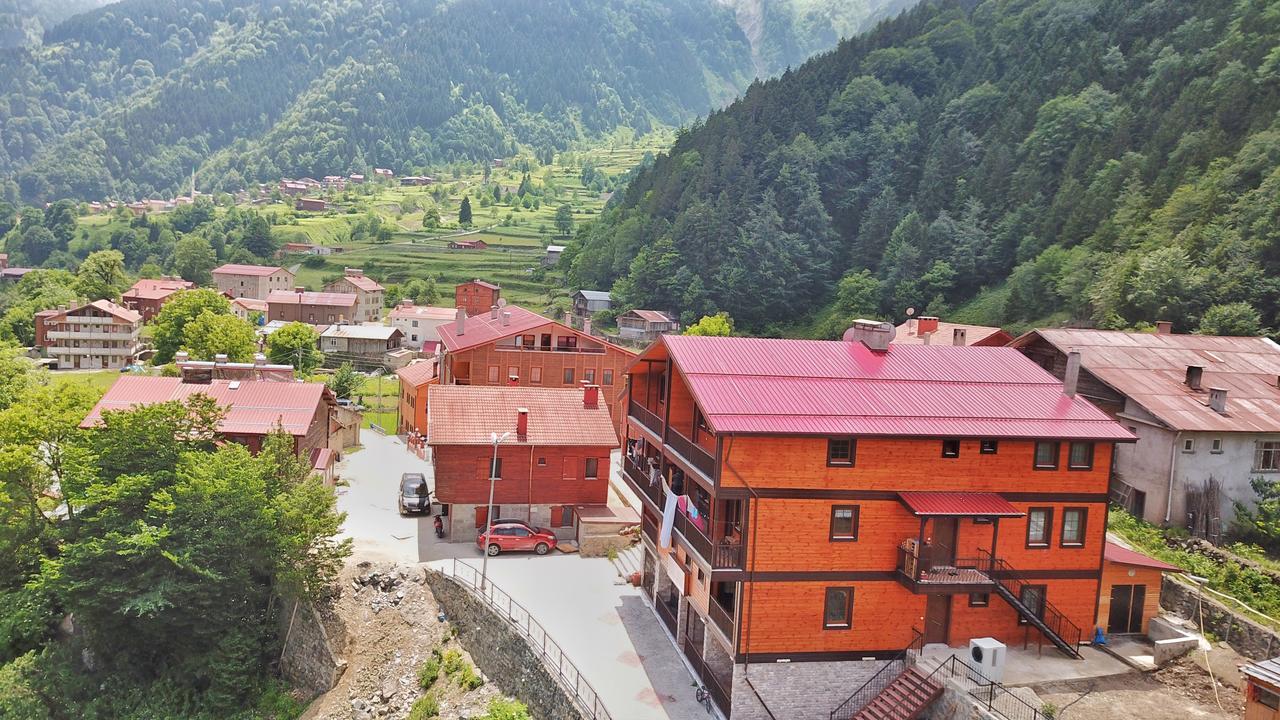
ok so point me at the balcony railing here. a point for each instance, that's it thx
(701, 459)
(688, 529)
(650, 529)
(646, 417)
(922, 570)
(721, 618)
(639, 478)
(728, 556)
(559, 349)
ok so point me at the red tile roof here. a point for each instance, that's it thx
(156, 289)
(321, 459)
(251, 304)
(483, 329)
(253, 407)
(467, 414)
(290, 297)
(363, 282)
(234, 269)
(119, 312)
(418, 373)
(966, 504)
(1117, 553)
(1151, 369)
(817, 387)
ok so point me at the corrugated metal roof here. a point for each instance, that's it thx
(650, 316)
(234, 269)
(291, 297)
(974, 334)
(119, 312)
(1117, 553)
(467, 414)
(482, 283)
(1268, 671)
(362, 332)
(483, 329)
(594, 294)
(423, 312)
(1151, 369)
(252, 406)
(966, 504)
(760, 385)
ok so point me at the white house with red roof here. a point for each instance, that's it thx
(369, 294)
(419, 323)
(93, 336)
(252, 281)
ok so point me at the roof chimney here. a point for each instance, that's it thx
(1071, 378)
(875, 335)
(181, 356)
(259, 359)
(493, 312)
(1164, 327)
(1195, 373)
(1218, 400)
(220, 358)
(352, 272)
(959, 337)
(506, 317)
(522, 423)
(460, 321)
(590, 396)
(299, 289)
(927, 324)
(586, 326)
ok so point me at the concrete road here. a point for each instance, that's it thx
(601, 623)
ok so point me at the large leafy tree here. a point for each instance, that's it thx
(185, 306)
(295, 344)
(211, 334)
(102, 276)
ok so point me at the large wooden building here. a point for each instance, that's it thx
(554, 459)
(838, 502)
(511, 345)
(476, 296)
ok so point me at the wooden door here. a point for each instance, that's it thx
(937, 619)
(943, 551)
(1125, 615)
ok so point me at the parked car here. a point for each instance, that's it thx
(508, 535)
(415, 496)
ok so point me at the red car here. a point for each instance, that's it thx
(508, 535)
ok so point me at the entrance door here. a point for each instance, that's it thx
(937, 619)
(1125, 615)
(943, 551)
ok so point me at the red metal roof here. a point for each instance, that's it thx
(1117, 553)
(967, 504)
(817, 387)
(290, 297)
(467, 414)
(156, 289)
(253, 407)
(483, 329)
(234, 269)
(482, 284)
(364, 282)
(974, 334)
(652, 316)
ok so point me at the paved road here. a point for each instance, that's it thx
(601, 623)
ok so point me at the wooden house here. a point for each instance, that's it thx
(476, 296)
(645, 325)
(1129, 595)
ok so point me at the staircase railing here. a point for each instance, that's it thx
(903, 660)
(991, 695)
(1063, 633)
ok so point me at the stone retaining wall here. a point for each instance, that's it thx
(1245, 636)
(502, 653)
(797, 691)
(308, 659)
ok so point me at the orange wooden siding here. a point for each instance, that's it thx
(1120, 574)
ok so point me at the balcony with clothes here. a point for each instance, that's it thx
(952, 551)
(712, 528)
(688, 434)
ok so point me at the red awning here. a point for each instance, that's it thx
(958, 503)
(1123, 555)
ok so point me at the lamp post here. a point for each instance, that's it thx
(496, 439)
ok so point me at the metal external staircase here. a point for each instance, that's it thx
(1051, 623)
(903, 699)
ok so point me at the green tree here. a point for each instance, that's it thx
(295, 344)
(718, 325)
(169, 326)
(464, 212)
(344, 382)
(193, 258)
(211, 334)
(102, 276)
(564, 219)
(1238, 319)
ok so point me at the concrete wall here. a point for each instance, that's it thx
(309, 661)
(1243, 635)
(797, 691)
(503, 655)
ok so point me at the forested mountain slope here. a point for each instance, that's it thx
(1114, 161)
(124, 101)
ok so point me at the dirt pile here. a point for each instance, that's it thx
(391, 625)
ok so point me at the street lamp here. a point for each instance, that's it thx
(495, 438)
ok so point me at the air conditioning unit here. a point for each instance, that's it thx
(987, 656)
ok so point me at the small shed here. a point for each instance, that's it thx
(588, 302)
(1262, 690)
(1129, 595)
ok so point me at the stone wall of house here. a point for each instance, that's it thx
(798, 690)
(954, 704)
(309, 659)
(503, 654)
(1244, 635)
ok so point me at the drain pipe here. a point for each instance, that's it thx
(751, 574)
(1173, 468)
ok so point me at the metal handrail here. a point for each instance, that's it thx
(548, 650)
(915, 564)
(994, 697)
(1067, 631)
(902, 661)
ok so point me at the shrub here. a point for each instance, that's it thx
(469, 679)
(504, 709)
(425, 707)
(428, 673)
(453, 662)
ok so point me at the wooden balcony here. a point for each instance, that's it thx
(704, 461)
(921, 573)
(722, 618)
(638, 478)
(645, 417)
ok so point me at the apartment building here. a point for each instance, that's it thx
(476, 296)
(251, 281)
(369, 294)
(830, 504)
(148, 296)
(419, 323)
(93, 336)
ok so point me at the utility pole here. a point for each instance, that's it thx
(495, 438)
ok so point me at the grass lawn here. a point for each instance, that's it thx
(101, 380)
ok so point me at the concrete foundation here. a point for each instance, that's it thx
(797, 691)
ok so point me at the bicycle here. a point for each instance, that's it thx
(703, 697)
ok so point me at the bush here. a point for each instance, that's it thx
(469, 679)
(453, 662)
(428, 673)
(503, 709)
(425, 707)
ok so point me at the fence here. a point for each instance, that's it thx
(566, 673)
(990, 695)
(904, 660)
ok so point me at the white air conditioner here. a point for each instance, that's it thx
(987, 656)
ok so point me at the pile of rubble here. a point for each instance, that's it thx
(392, 624)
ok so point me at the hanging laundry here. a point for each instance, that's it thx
(668, 521)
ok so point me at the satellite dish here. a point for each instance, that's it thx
(911, 311)
(502, 302)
